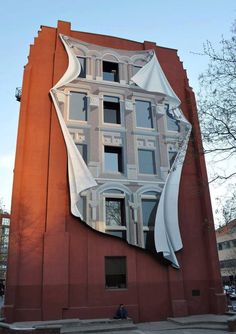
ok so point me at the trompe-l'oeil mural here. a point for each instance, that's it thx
(148, 78)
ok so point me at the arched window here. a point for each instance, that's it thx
(149, 203)
(115, 214)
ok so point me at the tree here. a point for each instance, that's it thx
(217, 106)
(1, 206)
(226, 210)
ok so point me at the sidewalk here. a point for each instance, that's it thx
(198, 324)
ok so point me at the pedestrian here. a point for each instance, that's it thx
(121, 312)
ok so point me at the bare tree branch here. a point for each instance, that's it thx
(217, 115)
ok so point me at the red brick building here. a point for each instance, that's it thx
(58, 266)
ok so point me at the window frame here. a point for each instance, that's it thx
(120, 159)
(84, 67)
(145, 228)
(152, 127)
(118, 228)
(118, 110)
(153, 162)
(116, 76)
(118, 286)
(121, 200)
(81, 121)
(171, 120)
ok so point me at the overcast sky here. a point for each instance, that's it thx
(180, 24)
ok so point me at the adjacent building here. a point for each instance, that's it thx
(226, 243)
(110, 199)
(4, 240)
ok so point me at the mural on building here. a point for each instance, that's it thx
(138, 116)
(101, 203)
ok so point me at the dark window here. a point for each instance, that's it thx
(83, 151)
(149, 242)
(115, 272)
(228, 263)
(149, 208)
(146, 161)
(110, 71)
(195, 293)
(82, 62)
(172, 123)
(111, 108)
(78, 106)
(234, 243)
(220, 246)
(143, 114)
(226, 244)
(172, 156)
(113, 159)
(115, 212)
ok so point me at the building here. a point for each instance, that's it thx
(226, 243)
(4, 239)
(106, 208)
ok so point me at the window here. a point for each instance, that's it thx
(113, 159)
(115, 212)
(172, 156)
(111, 109)
(78, 106)
(172, 123)
(83, 151)
(143, 114)
(6, 221)
(149, 208)
(115, 272)
(234, 243)
(146, 161)
(149, 204)
(228, 263)
(226, 244)
(110, 71)
(82, 62)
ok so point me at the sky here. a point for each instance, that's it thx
(179, 24)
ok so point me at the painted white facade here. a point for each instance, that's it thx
(151, 155)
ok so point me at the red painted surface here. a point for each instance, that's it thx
(56, 263)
